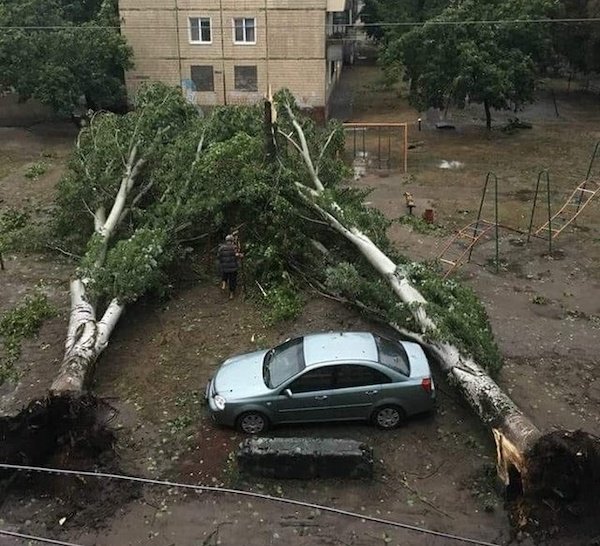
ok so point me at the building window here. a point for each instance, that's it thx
(200, 30)
(244, 30)
(246, 78)
(203, 78)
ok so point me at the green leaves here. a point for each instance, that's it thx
(202, 177)
(494, 64)
(135, 265)
(459, 315)
(19, 323)
(60, 51)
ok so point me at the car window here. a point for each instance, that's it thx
(392, 354)
(283, 362)
(319, 379)
(354, 375)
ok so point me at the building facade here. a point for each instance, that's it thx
(233, 51)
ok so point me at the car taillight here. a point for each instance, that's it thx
(427, 385)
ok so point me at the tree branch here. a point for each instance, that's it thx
(290, 140)
(81, 311)
(305, 152)
(107, 324)
(135, 201)
(63, 251)
(131, 171)
(327, 142)
(99, 218)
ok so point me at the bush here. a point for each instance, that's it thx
(284, 303)
(19, 323)
(36, 170)
(18, 231)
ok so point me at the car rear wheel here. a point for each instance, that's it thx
(388, 417)
(252, 422)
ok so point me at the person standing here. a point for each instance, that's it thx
(228, 256)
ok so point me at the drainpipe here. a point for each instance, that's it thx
(178, 42)
(223, 52)
(267, 45)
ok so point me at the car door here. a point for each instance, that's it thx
(357, 388)
(309, 398)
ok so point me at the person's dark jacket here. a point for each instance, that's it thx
(228, 261)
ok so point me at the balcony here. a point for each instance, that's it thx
(337, 5)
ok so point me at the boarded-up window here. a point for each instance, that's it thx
(246, 78)
(203, 78)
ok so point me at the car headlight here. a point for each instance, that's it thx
(219, 402)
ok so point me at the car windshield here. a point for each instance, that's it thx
(392, 355)
(283, 362)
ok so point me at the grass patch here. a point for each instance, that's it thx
(419, 225)
(284, 304)
(19, 323)
(36, 170)
(19, 232)
(540, 300)
(8, 164)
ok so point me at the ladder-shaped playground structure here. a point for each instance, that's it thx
(573, 207)
(459, 248)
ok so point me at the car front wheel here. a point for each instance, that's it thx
(388, 417)
(252, 422)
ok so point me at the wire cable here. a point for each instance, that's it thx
(262, 496)
(357, 26)
(37, 539)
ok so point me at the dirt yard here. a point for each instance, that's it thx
(436, 472)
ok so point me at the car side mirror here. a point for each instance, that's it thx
(288, 393)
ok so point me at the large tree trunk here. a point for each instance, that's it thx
(86, 336)
(86, 339)
(488, 115)
(515, 435)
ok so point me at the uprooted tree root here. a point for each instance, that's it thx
(562, 494)
(555, 493)
(66, 433)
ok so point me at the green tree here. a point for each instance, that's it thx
(141, 186)
(491, 63)
(578, 43)
(59, 51)
(157, 178)
(381, 15)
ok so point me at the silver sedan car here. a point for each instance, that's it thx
(323, 377)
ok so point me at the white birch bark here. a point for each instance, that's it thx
(513, 432)
(86, 336)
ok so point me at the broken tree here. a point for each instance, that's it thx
(144, 188)
(111, 205)
(517, 438)
(141, 190)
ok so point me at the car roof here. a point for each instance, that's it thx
(339, 346)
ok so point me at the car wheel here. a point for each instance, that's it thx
(252, 422)
(388, 417)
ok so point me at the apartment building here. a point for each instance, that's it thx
(233, 51)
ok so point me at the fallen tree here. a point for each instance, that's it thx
(102, 209)
(150, 190)
(518, 440)
(141, 190)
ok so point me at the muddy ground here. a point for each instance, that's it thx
(435, 472)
